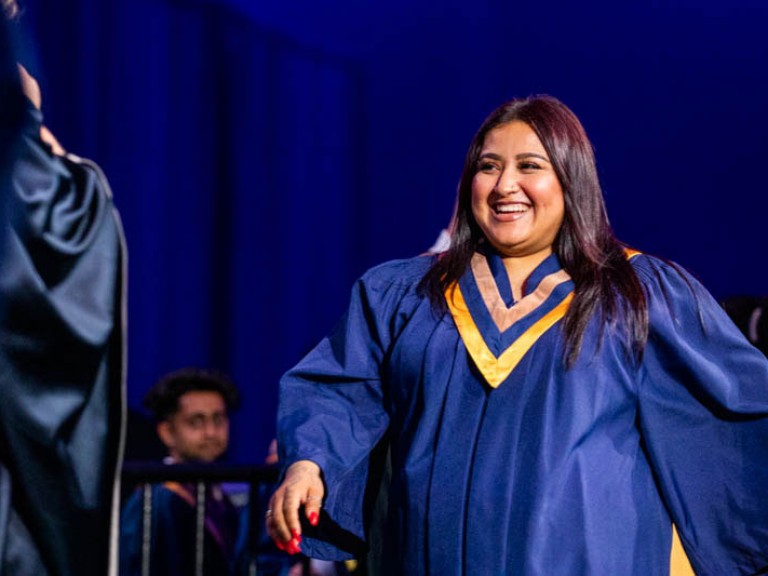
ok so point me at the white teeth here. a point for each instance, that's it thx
(510, 208)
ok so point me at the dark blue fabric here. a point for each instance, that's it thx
(555, 472)
(173, 535)
(12, 112)
(499, 271)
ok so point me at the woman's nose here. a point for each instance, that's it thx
(507, 182)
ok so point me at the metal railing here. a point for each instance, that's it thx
(135, 474)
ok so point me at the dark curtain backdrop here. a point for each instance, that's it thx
(263, 155)
(236, 158)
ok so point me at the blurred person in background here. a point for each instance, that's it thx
(191, 408)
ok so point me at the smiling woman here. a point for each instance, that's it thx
(517, 200)
(549, 401)
(570, 216)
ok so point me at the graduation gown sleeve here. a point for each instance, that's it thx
(333, 405)
(703, 406)
(61, 364)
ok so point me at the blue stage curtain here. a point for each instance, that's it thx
(235, 156)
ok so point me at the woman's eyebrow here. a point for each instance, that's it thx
(521, 156)
(524, 155)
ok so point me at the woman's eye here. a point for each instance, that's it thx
(486, 167)
(527, 165)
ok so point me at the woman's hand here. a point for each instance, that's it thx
(302, 486)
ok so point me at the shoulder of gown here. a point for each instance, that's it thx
(404, 274)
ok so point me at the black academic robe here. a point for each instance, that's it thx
(61, 364)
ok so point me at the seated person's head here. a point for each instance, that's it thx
(192, 408)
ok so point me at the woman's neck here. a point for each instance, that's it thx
(519, 268)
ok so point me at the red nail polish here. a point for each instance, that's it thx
(314, 518)
(293, 547)
(296, 535)
(280, 545)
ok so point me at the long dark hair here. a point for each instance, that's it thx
(604, 280)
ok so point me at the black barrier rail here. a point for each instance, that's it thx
(141, 472)
(145, 474)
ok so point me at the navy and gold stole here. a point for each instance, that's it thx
(497, 331)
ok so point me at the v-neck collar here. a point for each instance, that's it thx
(497, 331)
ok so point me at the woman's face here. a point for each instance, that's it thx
(517, 199)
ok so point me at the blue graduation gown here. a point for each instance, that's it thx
(61, 364)
(503, 461)
(173, 532)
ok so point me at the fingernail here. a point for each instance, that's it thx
(293, 547)
(296, 535)
(314, 518)
(280, 545)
